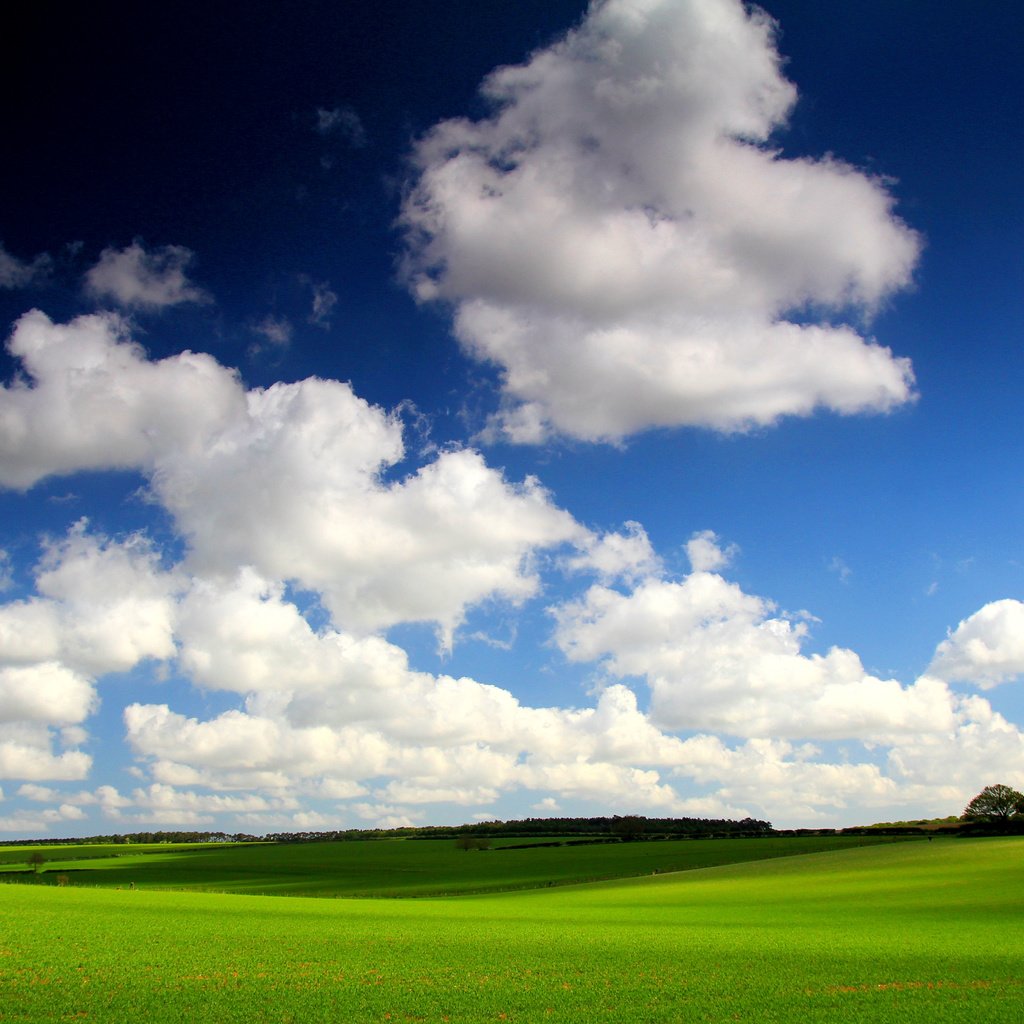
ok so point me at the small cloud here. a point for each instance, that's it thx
(706, 555)
(840, 568)
(15, 273)
(6, 571)
(549, 803)
(931, 589)
(41, 794)
(324, 301)
(496, 642)
(343, 122)
(276, 332)
(139, 279)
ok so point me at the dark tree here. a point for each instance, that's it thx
(629, 828)
(996, 804)
(36, 860)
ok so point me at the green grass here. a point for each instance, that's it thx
(398, 868)
(908, 932)
(15, 858)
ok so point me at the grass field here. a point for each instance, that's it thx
(389, 868)
(902, 932)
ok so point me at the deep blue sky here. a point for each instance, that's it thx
(279, 149)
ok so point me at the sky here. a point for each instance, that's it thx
(421, 413)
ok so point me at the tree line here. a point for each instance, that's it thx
(997, 808)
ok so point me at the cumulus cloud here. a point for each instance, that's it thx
(622, 242)
(297, 507)
(27, 752)
(986, 648)
(90, 399)
(47, 692)
(705, 553)
(139, 279)
(289, 479)
(627, 555)
(100, 606)
(333, 716)
(296, 490)
(718, 659)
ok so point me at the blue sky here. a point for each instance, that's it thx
(422, 413)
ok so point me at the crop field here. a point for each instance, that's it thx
(904, 932)
(389, 868)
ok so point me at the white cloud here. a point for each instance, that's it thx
(627, 556)
(41, 794)
(717, 659)
(343, 718)
(140, 279)
(621, 241)
(47, 692)
(296, 491)
(101, 606)
(25, 824)
(287, 479)
(705, 553)
(986, 648)
(26, 752)
(385, 816)
(276, 331)
(92, 400)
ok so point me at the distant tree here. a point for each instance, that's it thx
(996, 804)
(36, 860)
(629, 828)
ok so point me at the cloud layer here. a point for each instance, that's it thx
(307, 536)
(621, 240)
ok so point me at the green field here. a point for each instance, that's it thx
(911, 932)
(390, 868)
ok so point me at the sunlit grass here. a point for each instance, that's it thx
(911, 932)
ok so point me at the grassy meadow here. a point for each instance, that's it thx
(902, 932)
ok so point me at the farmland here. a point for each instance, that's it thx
(909, 931)
(388, 868)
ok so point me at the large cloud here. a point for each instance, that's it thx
(296, 489)
(100, 606)
(92, 400)
(341, 718)
(987, 648)
(719, 659)
(290, 479)
(621, 241)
